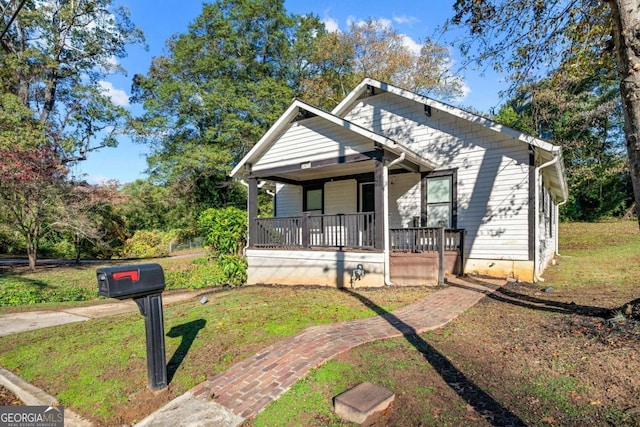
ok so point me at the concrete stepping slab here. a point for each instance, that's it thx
(191, 411)
(363, 400)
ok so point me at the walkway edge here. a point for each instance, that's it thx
(31, 395)
(192, 411)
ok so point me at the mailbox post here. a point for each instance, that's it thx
(144, 283)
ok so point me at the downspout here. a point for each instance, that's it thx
(385, 220)
(536, 221)
(558, 225)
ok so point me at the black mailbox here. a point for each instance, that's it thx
(130, 281)
(144, 283)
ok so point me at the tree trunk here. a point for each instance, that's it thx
(32, 252)
(76, 243)
(626, 28)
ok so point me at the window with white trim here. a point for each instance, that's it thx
(439, 204)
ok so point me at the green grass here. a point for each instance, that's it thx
(305, 404)
(587, 247)
(553, 391)
(99, 367)
(600, 254)
(63, 286)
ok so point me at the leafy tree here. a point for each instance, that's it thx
(529, 37)
(148, 207)
(581, 112)
(18, 128)
(53, 57)
(30, 183)
(221, 85)
(226, 80)
(54, 105)
(87, 216)
(373, 49)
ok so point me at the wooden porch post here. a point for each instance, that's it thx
(378, 209)
(461, 271)
(304, 225)
(441, 243)
(253, 211)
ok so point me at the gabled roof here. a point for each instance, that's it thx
(548, 154)
(298, 107)
(546, 150)
(353, 97)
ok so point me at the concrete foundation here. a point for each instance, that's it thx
(314, 267)
(520, 270)
(340, 269)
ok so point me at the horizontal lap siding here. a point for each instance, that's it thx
(309, 140)
(492, 170)
(339, 197)
(288, 200)
(404, 199)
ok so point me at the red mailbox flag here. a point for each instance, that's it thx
(134, 275)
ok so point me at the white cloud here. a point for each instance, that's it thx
(118, 96)
(382, 22)
(413, 46)
(404, 19)
(466, 90)
(113, 61)
(97, 179)
(331, 25)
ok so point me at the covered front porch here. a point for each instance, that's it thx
(345, 246)
(332, 221)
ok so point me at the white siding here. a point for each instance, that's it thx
(288, 200)
(404, 199)
(492, 169)
(310, 140)
(340, 197)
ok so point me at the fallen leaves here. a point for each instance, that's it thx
(548, 420)
(7, 398)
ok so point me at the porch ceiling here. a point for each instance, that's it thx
(323, 172)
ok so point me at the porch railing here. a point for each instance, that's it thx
(354, 231)
(420, 239)
(323, 231)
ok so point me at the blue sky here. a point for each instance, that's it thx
(159, 19)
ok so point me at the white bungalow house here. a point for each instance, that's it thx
(363, 192)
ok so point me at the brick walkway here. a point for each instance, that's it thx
(247, 387)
